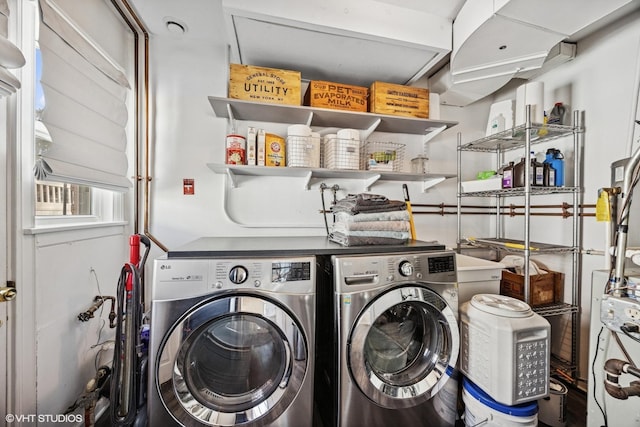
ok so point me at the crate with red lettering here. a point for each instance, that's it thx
(336, 96)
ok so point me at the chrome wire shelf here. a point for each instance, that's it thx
(518, 246)
(512, 192)
(514, 138)
(555, 309)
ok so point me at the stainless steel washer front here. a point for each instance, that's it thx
(232, 342)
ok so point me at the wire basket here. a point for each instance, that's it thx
(382, 156)
(303, 151)
(341, 153)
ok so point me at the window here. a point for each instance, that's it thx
(80, 121)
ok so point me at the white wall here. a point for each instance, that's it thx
(71, 268)
(187, 136)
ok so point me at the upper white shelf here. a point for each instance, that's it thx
(322, 117)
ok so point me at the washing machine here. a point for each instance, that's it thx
(387, 336)
(232, 342)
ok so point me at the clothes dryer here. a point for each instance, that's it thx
(232, 342)
(393, 318)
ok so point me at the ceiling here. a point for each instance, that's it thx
(324, 39)
(348, 41)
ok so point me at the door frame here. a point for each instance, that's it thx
(19, 199)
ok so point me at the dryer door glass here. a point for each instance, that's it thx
(239, 358)
(401, 346)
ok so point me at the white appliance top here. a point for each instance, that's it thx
(501, 305)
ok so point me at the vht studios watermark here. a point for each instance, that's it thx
(44, 418)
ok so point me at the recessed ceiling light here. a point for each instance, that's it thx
(175, 27)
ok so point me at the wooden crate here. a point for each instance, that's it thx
(336, 96)
(262, 84)
(399, 100)
(543, 288)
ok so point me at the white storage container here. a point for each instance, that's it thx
(489, 184)
(477, 276)
(505, 348)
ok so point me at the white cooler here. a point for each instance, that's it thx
(477, 276)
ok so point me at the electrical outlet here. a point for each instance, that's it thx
(616, 312)
(632, 313)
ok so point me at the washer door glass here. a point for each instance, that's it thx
(401, 346)
(239, 358)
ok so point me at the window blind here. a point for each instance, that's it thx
(85, 112)
(10, 55)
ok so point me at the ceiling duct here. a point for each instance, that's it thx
(351, 42)
(497, 40)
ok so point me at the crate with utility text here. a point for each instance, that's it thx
(261, 84)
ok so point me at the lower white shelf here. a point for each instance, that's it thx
(369, 177)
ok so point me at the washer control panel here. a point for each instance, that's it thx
(191, 277)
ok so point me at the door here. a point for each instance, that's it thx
(401, 345)
(4, 247)
(239, 359)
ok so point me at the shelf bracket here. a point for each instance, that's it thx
(368, 182)
(433, 133)
(232, 117)
(232, 178)
(309, 119)
(367, 132)
(430, 182)
(307, 180)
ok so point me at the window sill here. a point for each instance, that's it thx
(63, 227)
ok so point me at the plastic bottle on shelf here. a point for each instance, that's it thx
(549, 175)
(518, 173)
(507, 176)
(537, 171)
(556, 159)
(556, 116)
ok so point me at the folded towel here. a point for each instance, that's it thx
(346, 227)
(402, 215)
(374, 233)
(357, 203)
(345, 240)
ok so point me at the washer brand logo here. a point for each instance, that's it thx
(165, 267)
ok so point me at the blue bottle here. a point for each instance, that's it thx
(555, 159)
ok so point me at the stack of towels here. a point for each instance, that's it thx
(370, 219)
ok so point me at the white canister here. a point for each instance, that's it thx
(349, 134)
